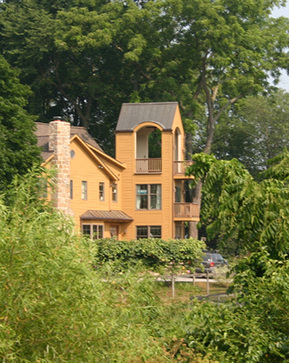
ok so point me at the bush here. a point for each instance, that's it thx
(255, 326)
(152, 254)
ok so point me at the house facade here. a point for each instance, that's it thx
(140, 193)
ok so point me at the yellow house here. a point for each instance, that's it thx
(150, 139)
(141, 193)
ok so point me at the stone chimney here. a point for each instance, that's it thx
(59, 143)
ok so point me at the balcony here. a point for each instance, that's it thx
(180, 167)
(186, 210)
(149, 166)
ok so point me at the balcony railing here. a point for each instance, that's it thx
(180, 166)
(149, 166)
(186, 210)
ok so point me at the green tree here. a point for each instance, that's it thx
(79, 58)
(257, 130)
(238, 208)
(17, 140)
(85, 58)
(253, 326)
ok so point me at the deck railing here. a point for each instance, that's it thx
(149, 165)
(186, 210)
(180, 166)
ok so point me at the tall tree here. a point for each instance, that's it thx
(239, 209)
(86, 58)
(233, 47)
(80, 58)
(256, 130)
(18, 144)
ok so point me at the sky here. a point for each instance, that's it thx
(284, 79)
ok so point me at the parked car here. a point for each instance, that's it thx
(211, 262)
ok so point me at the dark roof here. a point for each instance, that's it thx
(42, 134)
(84, 135)
(133, 114)
(113, 215)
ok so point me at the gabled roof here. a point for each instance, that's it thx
(133, 114)
(101, 215)
(102, 154)
(42, 134)
(95, 157)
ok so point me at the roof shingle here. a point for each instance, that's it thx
(133, 114)
(42, 134)
(113, 215)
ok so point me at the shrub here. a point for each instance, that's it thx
(152, 254)
(254, 327)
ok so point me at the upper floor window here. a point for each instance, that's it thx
(101, 191)
(84, 190)
(114, 192)
(148, 196)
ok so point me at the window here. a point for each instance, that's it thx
(148, 196)
(94, 231)
(114, 192)
(72, 154)
(71, 189)
(84, 190)
(101, 191)
(148, 232)
(178, 233)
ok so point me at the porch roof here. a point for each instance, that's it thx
(101, 215)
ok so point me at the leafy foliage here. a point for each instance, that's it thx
(238, 208)
(83, 59)
(17, 140)
(152, 254)
(253, 327)
(256, 130)
(55, 307)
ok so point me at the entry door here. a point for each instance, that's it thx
(114, 231)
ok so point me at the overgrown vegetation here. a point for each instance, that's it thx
(55, 307)
(57, 304)
(255, 326)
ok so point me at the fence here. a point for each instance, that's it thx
(191, 278)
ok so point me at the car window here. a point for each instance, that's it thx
(217, 258)
(208, 257)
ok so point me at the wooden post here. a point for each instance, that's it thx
(208, 284)
(173, 286)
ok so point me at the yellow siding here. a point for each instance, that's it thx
(83, 167)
